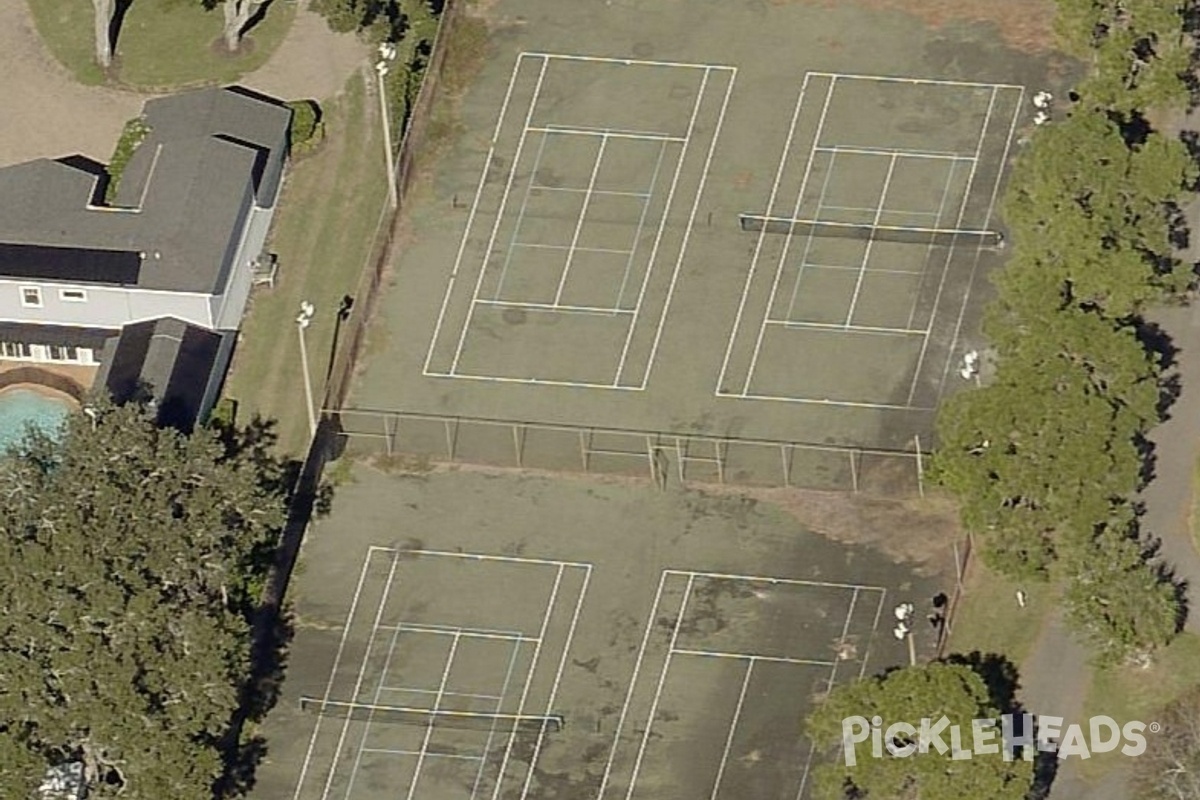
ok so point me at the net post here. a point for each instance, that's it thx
(920, 465)
(388, 439)
(680, 462)
(720, 454)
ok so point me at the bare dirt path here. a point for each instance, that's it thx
(312, 62)
(47, 114)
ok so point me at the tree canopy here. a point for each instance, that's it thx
(132, 558)
(1047, 457)
(910, 695)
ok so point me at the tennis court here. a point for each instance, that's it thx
(540, 637)
(435, 686)
(741, 238)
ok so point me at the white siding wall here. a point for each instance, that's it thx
(105, 306)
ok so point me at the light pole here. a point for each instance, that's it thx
(302, 322)
(387, 52)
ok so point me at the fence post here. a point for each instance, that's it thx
(516, 432)
(853, 472)
(920, 465)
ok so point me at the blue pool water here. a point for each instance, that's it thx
(21, 406)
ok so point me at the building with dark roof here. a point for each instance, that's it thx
(171, 259)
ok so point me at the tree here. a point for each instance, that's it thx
(910, 695)
(1049, 449)
(1170, 767)
(383, 20)
(238, 14)
(132, 557)
(1118, 599)
(102, 27)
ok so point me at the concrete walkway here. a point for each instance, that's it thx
(46, 114)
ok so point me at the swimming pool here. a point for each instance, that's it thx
(19, 407)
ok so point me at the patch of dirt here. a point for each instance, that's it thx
(1025, 25)
(919, 531)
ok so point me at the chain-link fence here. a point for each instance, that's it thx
(660, 456)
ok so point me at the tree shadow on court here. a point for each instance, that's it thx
(296, 482)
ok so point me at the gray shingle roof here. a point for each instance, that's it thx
(182, 192)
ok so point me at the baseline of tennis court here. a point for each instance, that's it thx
(437, 690)
(701, 666)
(868, 242)
(580, 221)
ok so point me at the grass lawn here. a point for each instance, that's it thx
(1194, 515)
(162, 44)
(1131, 693)
(988, 620)
(323, 233)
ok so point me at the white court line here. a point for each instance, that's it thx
(462, 245)
(579, 190)
(832, 678)
(937, 221)
(606, 133)
(362, 670)
(537, 652)
(870, 271)
(787, 241)
(837, 327)
(633, 681)
(902, 79)
(662, 226)
(629, 62)
(724, 576)
(637, 235)
(935, 155)
(587, 202)
(413, 690)
(704, 172)
(402, 552)
(887, 183)
(555, 307)
(554, 686)
(808, 244)
(1012, 128)
(762, 234)
(895, 211)
(737, 714)
(548, 381)
(824, 401)
(387, 663)
(337, 660)
(437, 704)
(806, 662)
(516, 231)
(467, 633)
(539, 246)
(862, 670)
(512, 174)
(387, 751)
(662, 680)
(962, 211)
(492, 729)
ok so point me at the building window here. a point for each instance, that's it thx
(72, 295)
(15, 350)
(31, 297)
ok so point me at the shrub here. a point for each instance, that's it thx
(135, 132)
(307, 129)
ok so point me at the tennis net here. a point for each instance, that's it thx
(439, 717)
(867, 232)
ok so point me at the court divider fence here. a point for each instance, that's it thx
(661, 457)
